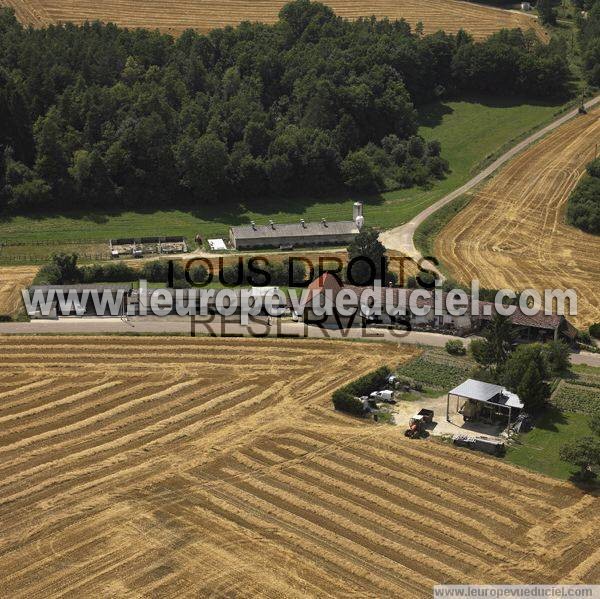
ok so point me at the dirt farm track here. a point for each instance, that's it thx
(175, 17)
(158, 466)
(513, 233)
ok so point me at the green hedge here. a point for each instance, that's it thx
(346, 398)
(346, 402)
(455, 348)
(373, 381)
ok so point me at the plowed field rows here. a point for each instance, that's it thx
(216, 467)
(175, 17)
(513, 234)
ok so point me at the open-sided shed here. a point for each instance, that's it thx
(492, 397)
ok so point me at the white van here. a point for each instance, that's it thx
(386, 395)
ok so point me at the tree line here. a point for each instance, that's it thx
(588, 27)
(98, 116)
(583, 210)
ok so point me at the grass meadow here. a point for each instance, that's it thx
(471, 132)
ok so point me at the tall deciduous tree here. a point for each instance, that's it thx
(532, 389)
(500, 337)
(583, 453)
(203, 166)
(546, 12)
(367, 259)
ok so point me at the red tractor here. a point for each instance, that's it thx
(416, 425)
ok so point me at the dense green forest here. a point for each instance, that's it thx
(583, 210)
(95, 115)
(589, 38)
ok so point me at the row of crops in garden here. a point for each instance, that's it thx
(435, 368)
(577, 396)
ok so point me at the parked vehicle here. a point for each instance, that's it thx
(386, 395)
(416, 427)
(418, 423)
(427, 415)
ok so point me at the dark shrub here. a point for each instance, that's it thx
(347, 399)
(346, 402)
(456, 348)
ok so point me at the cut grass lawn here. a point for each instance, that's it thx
(471, 131)
(539, 448)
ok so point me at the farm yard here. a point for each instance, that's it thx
(449, 15)
(210, 467)
(513, 233)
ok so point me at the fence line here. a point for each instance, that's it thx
(28, 258)
(54, 242)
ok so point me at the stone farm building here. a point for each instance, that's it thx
(540, 327)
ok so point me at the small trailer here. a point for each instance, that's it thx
(427, 415)
(487, 445)
(491, 446)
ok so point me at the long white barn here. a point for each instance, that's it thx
(301, 234)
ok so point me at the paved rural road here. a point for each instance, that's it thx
(585, 357)
(151, 325)
(401, 238)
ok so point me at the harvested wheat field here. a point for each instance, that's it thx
(12, 280)
(175, 17)
(211, 467)
(513, 233)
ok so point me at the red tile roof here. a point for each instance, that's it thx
(537, 321)
(401, 297)
(319, 285)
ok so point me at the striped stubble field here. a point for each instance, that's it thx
(177, 16)
(513, 233)
(212, 467)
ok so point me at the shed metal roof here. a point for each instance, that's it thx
(299, 230)
(487, 392)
